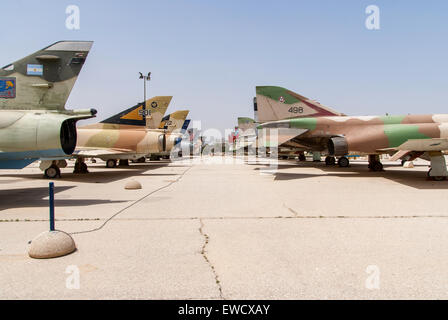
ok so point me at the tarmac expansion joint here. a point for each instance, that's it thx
(204, 255)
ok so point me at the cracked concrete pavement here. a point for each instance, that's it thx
(211, 230)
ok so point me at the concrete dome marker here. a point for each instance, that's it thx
(53, 243)
(133, 185)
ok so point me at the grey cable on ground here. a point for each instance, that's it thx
(134, 203)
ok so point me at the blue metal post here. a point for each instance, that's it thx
(51, 206)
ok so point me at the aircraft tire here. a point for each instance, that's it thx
(111, 163)
(376, 166)
(52, 172)
(435, 178)
(330, 161)
(343, 162)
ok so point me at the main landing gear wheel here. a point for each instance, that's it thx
(330, 161)
(111, 163)
(343, 162)
(52, 172)
(435, 178)
(302, 157)
(376, 166)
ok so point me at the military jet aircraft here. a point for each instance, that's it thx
(370, 135)
(123, 137)
(128, 135)
(34, 123)
(276, 103)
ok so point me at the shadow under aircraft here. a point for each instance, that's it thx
(356, 170)
(37, 197)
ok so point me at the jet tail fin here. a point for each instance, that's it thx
(277, 103)
(185, 126)
(246, 126)
(174, 121)
(137, 116)
(156, 107)
(44, 79)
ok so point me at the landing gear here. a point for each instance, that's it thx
(123, 163)
(51, 168)
(80, 166)
(52, 172)
(343, 162)
(154, 158)
(111, 163)
(141, 160)
(302, 157)
(374, 163)
(376, 166)
(438, 171)
(435, 178)
(330, 161)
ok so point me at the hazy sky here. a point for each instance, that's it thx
(210, 55)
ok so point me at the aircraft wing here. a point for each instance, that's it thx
(422, 145)
(272, 138)
(415, 148)
(98, 153)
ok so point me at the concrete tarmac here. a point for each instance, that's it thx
(214, 229)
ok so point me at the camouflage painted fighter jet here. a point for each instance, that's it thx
(417, 135)
(276, 103)
(129, 135)
(34, 123)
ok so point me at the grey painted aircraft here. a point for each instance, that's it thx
(34, 123)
